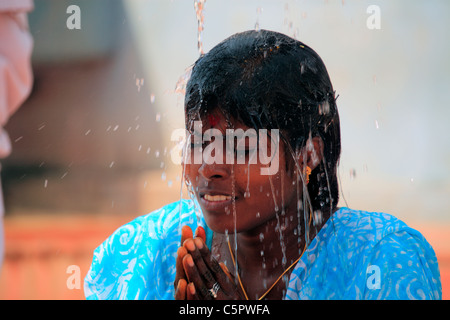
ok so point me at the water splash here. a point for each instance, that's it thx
(352, 174)
(180, 86)
(233, 204)
(199, 5)
(259, 10)
(139, 83)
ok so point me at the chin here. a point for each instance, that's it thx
(226, 225)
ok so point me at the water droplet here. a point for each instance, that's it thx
(139, 83)
(199, 6)
(376, 124)
(45, 183)
(111, 164)
(152, 98)
(163, 176)
(352, 174)
(365, 168)
(158, 117)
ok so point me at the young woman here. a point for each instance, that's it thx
(264, 145)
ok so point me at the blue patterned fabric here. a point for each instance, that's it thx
(366, 255)
(356, 255)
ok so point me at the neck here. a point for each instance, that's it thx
(272, 246)
(264, 253)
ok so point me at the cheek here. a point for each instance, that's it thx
(260, 190)
(191, 173)
(268, 192)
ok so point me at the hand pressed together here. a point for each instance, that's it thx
(199, 275)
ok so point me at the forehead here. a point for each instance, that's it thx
(216, 119)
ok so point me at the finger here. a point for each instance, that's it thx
(200, 233)
(180, 293)
(179, 266)
(203, 270)
(194, 277)
(225, 281)
(186, 233)
(191, 292)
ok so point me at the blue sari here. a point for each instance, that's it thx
(356, 255)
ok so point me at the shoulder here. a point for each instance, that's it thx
(123, 265)
(352, 233)
(402, 265)
(152, 227)
(158, 224)
(367, 255)
(387, 258)
(364, 226)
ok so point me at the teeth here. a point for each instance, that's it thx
(217, 197)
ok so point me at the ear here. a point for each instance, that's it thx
(310, 155)
(314, 152)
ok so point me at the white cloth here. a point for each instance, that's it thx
(16, 76)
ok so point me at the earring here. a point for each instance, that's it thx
(307, 173)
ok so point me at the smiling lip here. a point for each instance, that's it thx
(215, 200)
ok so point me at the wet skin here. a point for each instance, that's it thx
(258, 212)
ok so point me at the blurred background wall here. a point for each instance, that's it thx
(91, 145)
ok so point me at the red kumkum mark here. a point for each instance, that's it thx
(213, 120)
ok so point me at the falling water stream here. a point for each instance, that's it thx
(303, 203)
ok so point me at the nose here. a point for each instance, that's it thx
(213, 171)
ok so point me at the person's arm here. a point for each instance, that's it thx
(15, 73)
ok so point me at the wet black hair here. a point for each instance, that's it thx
(268, 80)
